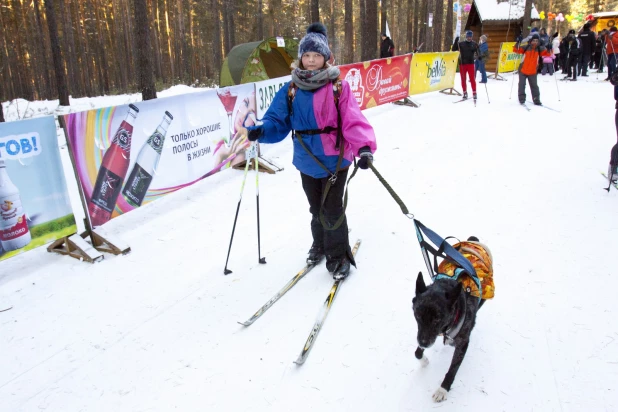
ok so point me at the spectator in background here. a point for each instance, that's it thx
(556, 49)
(548, 63)
(544, 38)
(574, 50)
(611, 40)
(387, 47)
(468, 50)
(481, 59)
(599, 51)
(588, 40)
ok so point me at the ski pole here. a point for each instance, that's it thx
(557, 88)
(512, 83)
(226, 271)
(487, 93)
(257, 198)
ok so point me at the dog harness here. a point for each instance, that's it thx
(460, 317)
(479, 256)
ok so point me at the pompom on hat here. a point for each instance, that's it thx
(315, 41)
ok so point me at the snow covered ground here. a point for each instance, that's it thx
(156, 330)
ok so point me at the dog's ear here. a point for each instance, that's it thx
(420, 284)
(453, 295)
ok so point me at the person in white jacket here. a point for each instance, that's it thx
(556, 48)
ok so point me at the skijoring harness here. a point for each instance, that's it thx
(339, 144)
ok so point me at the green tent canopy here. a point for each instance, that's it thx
(256, 61)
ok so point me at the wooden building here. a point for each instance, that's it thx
(604, 20)
(499, 21)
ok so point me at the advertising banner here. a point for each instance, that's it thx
(380, 81)
(128, 156)
(508, 61)
(431, 72)
(265, 93)
(35, 208)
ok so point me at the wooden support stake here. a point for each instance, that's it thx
(407, 102)
(104, 242)
(76, 247)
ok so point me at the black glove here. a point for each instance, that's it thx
(366, 158)
(254, 134)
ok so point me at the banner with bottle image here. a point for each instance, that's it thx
(432, 72)
(35, 208)
(508, 61)
(377, 82)
(128, 156)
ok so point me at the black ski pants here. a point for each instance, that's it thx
(572, 66)
(534, 87)
(335, 242)
(583, 67)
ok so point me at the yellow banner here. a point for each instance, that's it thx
(431, 72)
(509, 61)
(605, 23)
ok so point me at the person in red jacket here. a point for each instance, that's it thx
(528, 68)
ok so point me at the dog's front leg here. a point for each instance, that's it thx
(419, 354)
(458, 356)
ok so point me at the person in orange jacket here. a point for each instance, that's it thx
(528, 68)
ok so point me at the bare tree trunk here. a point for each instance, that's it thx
(437, 23)
(422, 30)
(527, 17)
(6, 64)
(349, 31)
(384, 5)
(429, 46)
(410, 26)
(83, 51)
(416, 28)
(63, 92)
(1, 113)
(46, 92)
(369, 32)
(448, 30)
(216, 35)
(331, 29)
(145, 80)
(314, 11)
(260, 21)
(157, 45)
(101, 39)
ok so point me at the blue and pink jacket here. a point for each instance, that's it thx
(315, 110)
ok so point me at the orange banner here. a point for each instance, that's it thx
(377, 82)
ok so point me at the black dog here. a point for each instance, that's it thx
(444, 308)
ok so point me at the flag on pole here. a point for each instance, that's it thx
(388, 32)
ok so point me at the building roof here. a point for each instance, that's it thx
(505, 10)
(605, 14)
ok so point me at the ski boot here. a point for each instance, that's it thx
(474, 95)
(316, 254)
(537, 102)
(465, 95)
(339, 268)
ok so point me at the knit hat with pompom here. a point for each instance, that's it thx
(315, 41)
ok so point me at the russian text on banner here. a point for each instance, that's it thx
(432, 72)
(35, 208)
(127, 156)
(377, 82)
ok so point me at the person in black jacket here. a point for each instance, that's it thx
(468, 50)
(599, 50)
(588, 42)
(387, 47)
(574, 49)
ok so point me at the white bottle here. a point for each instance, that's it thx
(14, 233)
